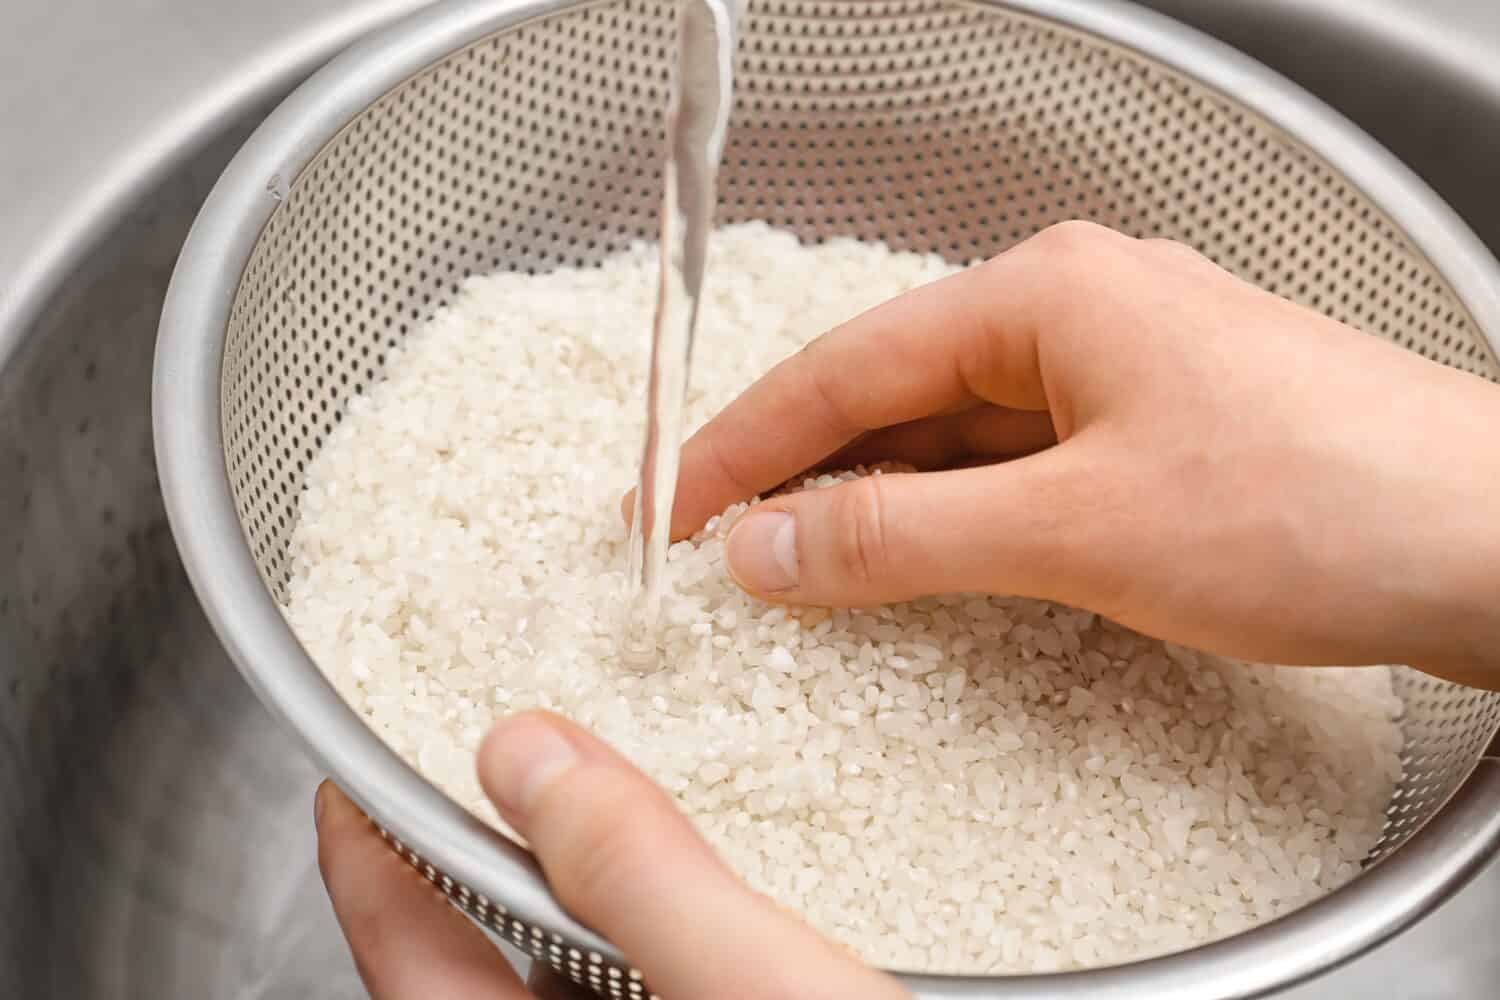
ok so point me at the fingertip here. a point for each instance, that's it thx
(320, 803)
(761, 552)
(521, 757)
(406, 940)
(339, 826)
(621, 855)
(506, 729)
(332, 807)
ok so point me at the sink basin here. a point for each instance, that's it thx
(155, 839)
(155, 829)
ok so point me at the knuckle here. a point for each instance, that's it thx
(861, 548)
(835, 407)
(728, 468)
(815, 347)
(1069, 255)
(1165, 247)
(1164, 243)
(1076, 241)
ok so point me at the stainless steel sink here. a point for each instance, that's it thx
(155, 839)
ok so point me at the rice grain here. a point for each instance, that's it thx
(956, 784)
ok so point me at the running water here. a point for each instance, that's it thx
(697, 119)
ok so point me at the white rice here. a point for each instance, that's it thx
(960, 784)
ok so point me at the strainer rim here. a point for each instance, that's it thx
(201, 510)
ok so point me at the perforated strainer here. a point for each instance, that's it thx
(488, 134)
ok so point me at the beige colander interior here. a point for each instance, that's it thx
(933, 126)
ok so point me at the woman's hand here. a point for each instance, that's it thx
(1156, 441)
(616, 852)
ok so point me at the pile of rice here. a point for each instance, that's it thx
(961, 784)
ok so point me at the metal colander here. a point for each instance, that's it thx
(525, 136)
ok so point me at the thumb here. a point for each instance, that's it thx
(895, 537)
(622, 858)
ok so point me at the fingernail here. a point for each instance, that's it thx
(320, 803)
(762, 552)
(531, 755)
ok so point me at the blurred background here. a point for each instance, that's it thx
(155, 827)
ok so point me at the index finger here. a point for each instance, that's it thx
(407, 941)
(970, 336)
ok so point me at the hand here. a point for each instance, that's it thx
(1157, 441)
(616, 852)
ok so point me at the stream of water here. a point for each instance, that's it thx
(697, 120)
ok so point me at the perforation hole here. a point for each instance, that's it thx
(936, 127)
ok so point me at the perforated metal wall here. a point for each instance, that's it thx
(933, 126)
